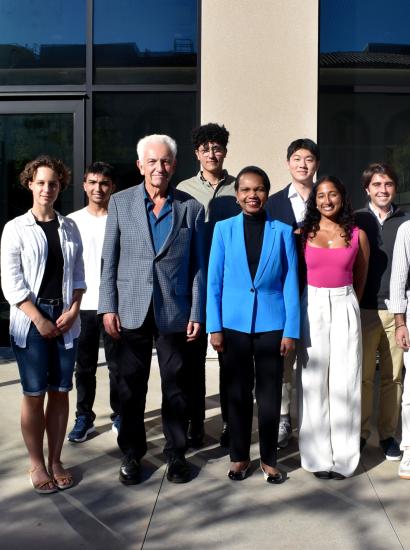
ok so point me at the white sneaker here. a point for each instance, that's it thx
(404, 468)
(285, 433)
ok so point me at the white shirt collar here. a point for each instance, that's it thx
(292, 192)
(297, 203)
(376, 213)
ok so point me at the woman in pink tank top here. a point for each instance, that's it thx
(330, 358)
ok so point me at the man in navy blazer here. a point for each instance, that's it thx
(153, 289)
(288, 206)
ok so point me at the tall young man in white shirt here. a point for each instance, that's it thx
(99, 183)
(288, 206)
(399, 305)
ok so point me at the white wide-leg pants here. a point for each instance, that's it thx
(329, 381)
(405, 399)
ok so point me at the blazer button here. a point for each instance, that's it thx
(252, 290)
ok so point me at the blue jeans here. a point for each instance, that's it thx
(44, 364)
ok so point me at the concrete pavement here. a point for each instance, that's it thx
(369, 511)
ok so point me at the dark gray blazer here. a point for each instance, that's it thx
(132, 274)
(280, 208)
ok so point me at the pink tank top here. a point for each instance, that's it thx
(331, 267)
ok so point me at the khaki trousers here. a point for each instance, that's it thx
(378, 335)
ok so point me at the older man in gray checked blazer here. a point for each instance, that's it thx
(153, 289)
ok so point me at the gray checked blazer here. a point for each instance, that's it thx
(132, 274)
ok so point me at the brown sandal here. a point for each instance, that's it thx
(62, 481)
(42, 487)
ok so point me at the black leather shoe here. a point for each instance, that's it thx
(322, 475)
(178, 470)
(130, 471)
(195, 435)
(239, 475)
(275, 479)
(336, 475)
(224, 437)
(362, 444)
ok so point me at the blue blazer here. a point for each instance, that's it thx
(271, 301)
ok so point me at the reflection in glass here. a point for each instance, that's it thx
(22, 138)
(356, 129)
(139, 42)
(122, 119)
(42, 42)
(362, 46)
(349, 25)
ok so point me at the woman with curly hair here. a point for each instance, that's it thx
(43, 280)
(336, 254)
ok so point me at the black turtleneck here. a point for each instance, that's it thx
(254, 227)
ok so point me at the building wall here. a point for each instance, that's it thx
(259, 78)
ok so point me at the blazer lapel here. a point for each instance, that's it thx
(139, 213)
(178, 214)
(269, 235)
(287, 212)
(239, 249)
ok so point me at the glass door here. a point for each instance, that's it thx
(29, 129)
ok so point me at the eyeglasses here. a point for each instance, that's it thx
(215, 149)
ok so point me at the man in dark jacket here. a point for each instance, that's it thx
(380, 220)
(288, 206)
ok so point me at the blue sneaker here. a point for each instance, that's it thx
(116, 423)
(83, 426)
(390, 448)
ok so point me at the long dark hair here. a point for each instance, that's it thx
(345, 217)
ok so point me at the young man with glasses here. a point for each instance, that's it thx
(213, 187)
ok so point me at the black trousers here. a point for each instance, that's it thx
(194, 368)
(223, 397)
(134, 352)
(195, 361)
(92, 329)
(253, 359)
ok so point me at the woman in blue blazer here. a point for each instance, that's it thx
(253, 317)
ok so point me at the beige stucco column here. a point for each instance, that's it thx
(259, 77)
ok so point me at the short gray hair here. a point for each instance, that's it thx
(156, 138)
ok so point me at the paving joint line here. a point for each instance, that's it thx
(153, 509)
(381, 504)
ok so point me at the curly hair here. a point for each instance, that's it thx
(211, 132)
(30, 170)
(345, 218)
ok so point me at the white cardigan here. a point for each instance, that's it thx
(23, 258)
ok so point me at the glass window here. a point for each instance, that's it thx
(364, 113)
(357, 129)
(22, 138)
(42, 42)
(138, 42)
(122, 119)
